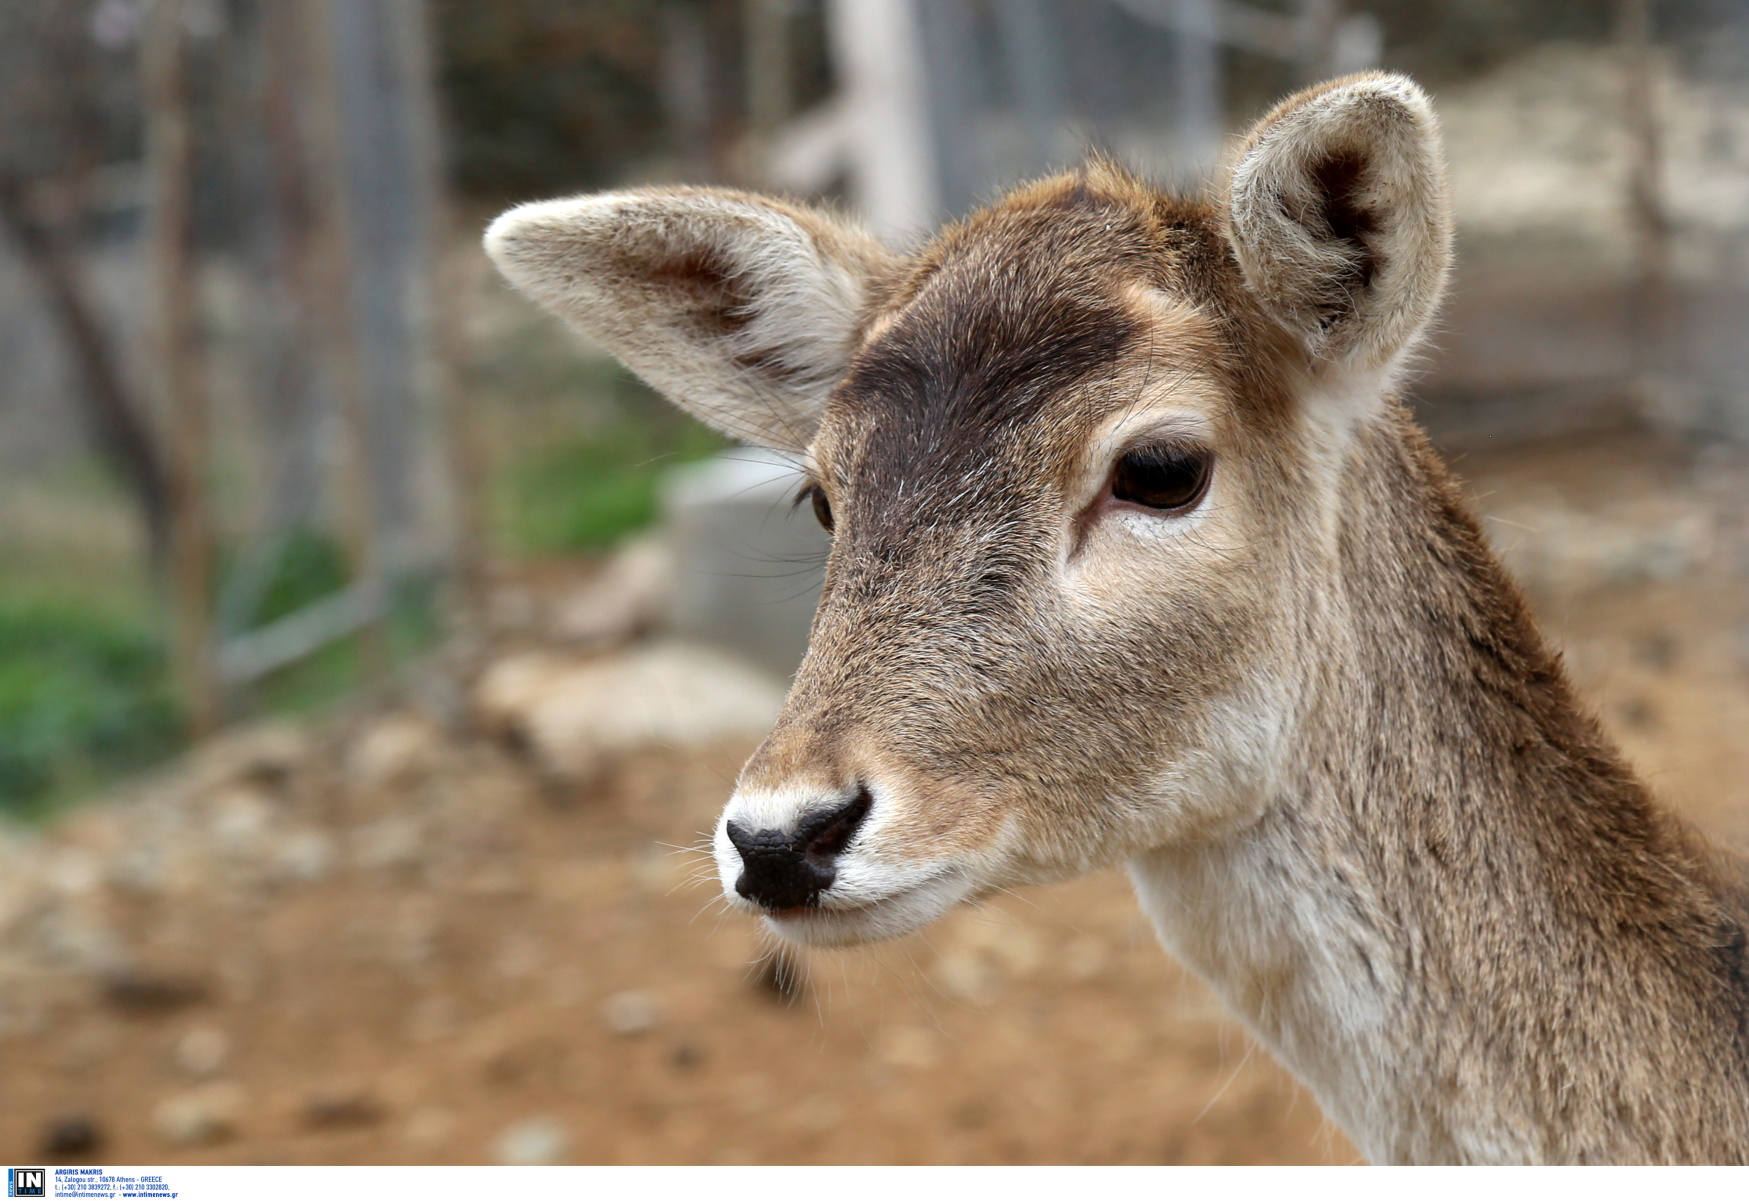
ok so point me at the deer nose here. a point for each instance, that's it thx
(780, 870)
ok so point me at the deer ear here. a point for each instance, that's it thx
(741, 310)
(1340, 219)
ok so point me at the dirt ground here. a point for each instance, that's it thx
(378, 943)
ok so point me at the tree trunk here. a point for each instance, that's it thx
(180, 359)
(113, 414)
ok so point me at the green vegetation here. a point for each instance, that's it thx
(85, 695)
(308, 566)
(86, 689)
(590, 490)
(580, 442)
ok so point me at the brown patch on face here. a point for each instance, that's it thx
(1011, 331)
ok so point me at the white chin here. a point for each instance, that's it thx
(894, 916)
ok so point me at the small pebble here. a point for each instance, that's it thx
(202, 1051)
(631, 1012)
(142, 992)
(341, 1109)
(207, 1114)
(307, 855)
(70, 1135)
(429, 1126)
(537, 1142)
(396, 750)
(1638, 713)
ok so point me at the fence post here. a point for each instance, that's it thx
(180, 359)
(460, 430)
(360, 516)
(1649, 296)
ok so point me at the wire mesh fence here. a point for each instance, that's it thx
(231, 218)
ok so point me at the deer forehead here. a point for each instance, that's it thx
(1023, 352)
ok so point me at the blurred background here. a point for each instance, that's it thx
(372, 651)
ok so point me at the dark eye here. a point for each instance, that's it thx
(822, 507)
(1170, 476)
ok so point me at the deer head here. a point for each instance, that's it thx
(1083, 458)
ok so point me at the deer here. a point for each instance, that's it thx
(1139, 558)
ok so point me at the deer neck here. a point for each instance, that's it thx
(1460, 918)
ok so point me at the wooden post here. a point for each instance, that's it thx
(296, 469)
(769, 86)
(1033, 52)
(463, 440)
(1318, 20)
(1649, 297)
(1196, 87)
(876, 49)
(179, 359)
(339, 323)
(114, 412)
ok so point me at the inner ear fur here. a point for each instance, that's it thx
(740, 309)
(1340, 219)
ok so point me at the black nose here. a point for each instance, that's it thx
(790, 871)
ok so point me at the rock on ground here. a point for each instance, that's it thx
(576, 715)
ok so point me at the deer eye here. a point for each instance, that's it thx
(1169, 476)
(822, 507)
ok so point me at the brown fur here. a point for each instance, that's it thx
(1314, 715)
